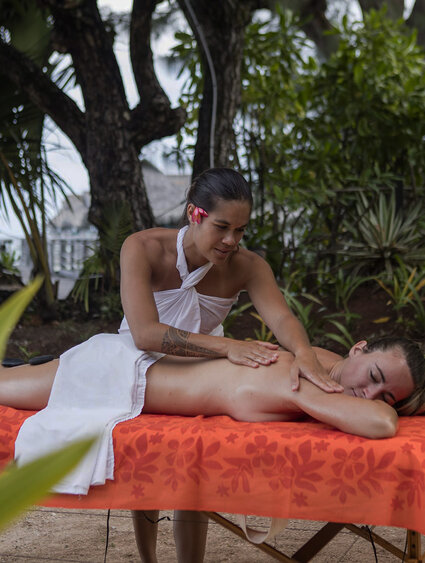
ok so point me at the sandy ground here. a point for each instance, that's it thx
(46, 534)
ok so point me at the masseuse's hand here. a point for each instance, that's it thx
(308, 366)
(253, 353)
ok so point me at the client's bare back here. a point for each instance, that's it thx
(189, 386)
(27, 387)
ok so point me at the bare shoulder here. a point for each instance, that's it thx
(151, 254)
(326, 357)
(150, 242)
(248, 264)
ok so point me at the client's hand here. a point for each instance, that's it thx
(252, 353)
(308, 366)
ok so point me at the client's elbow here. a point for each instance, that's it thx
(384, 426)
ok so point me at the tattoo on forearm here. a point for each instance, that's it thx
(176, 342)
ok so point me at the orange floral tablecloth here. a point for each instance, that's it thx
(303, 470)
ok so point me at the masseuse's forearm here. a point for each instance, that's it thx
(291, 335)
(179, 342)
(176, 342)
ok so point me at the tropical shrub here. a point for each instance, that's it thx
(100, 276)
(379, 237)
(406, 293)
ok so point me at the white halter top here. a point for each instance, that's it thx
(184, 307)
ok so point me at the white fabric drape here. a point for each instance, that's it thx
(102, 382)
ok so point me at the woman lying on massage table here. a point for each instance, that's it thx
(390, 370)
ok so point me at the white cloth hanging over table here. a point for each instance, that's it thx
(102, 382)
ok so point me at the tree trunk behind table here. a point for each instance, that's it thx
(223, 26)
(115, 173)
(110, 154)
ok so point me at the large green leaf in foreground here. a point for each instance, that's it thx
(23, 486)
(12, 309)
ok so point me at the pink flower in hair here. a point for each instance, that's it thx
(197, 213)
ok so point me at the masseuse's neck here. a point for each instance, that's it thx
(194, 259)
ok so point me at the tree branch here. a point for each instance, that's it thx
(81, 32)
(29, 78)
(147, 125)
(149, 89)
(314, 23)
(154, 107)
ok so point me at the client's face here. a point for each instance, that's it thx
(376, 375)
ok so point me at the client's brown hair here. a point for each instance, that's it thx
(415, 359)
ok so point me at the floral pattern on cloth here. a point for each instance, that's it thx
(303, 470)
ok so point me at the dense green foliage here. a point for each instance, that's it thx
(351, 132)
(334, 151)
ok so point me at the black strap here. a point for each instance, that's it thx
(372, 542)
(107, 534)
(156, 521)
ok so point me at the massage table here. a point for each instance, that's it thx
(295, 470)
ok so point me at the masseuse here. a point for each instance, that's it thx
(218, 209)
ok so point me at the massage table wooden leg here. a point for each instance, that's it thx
(317, 542)
(388, 546)
(414, 547)
(304, 554)
(324, 536)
